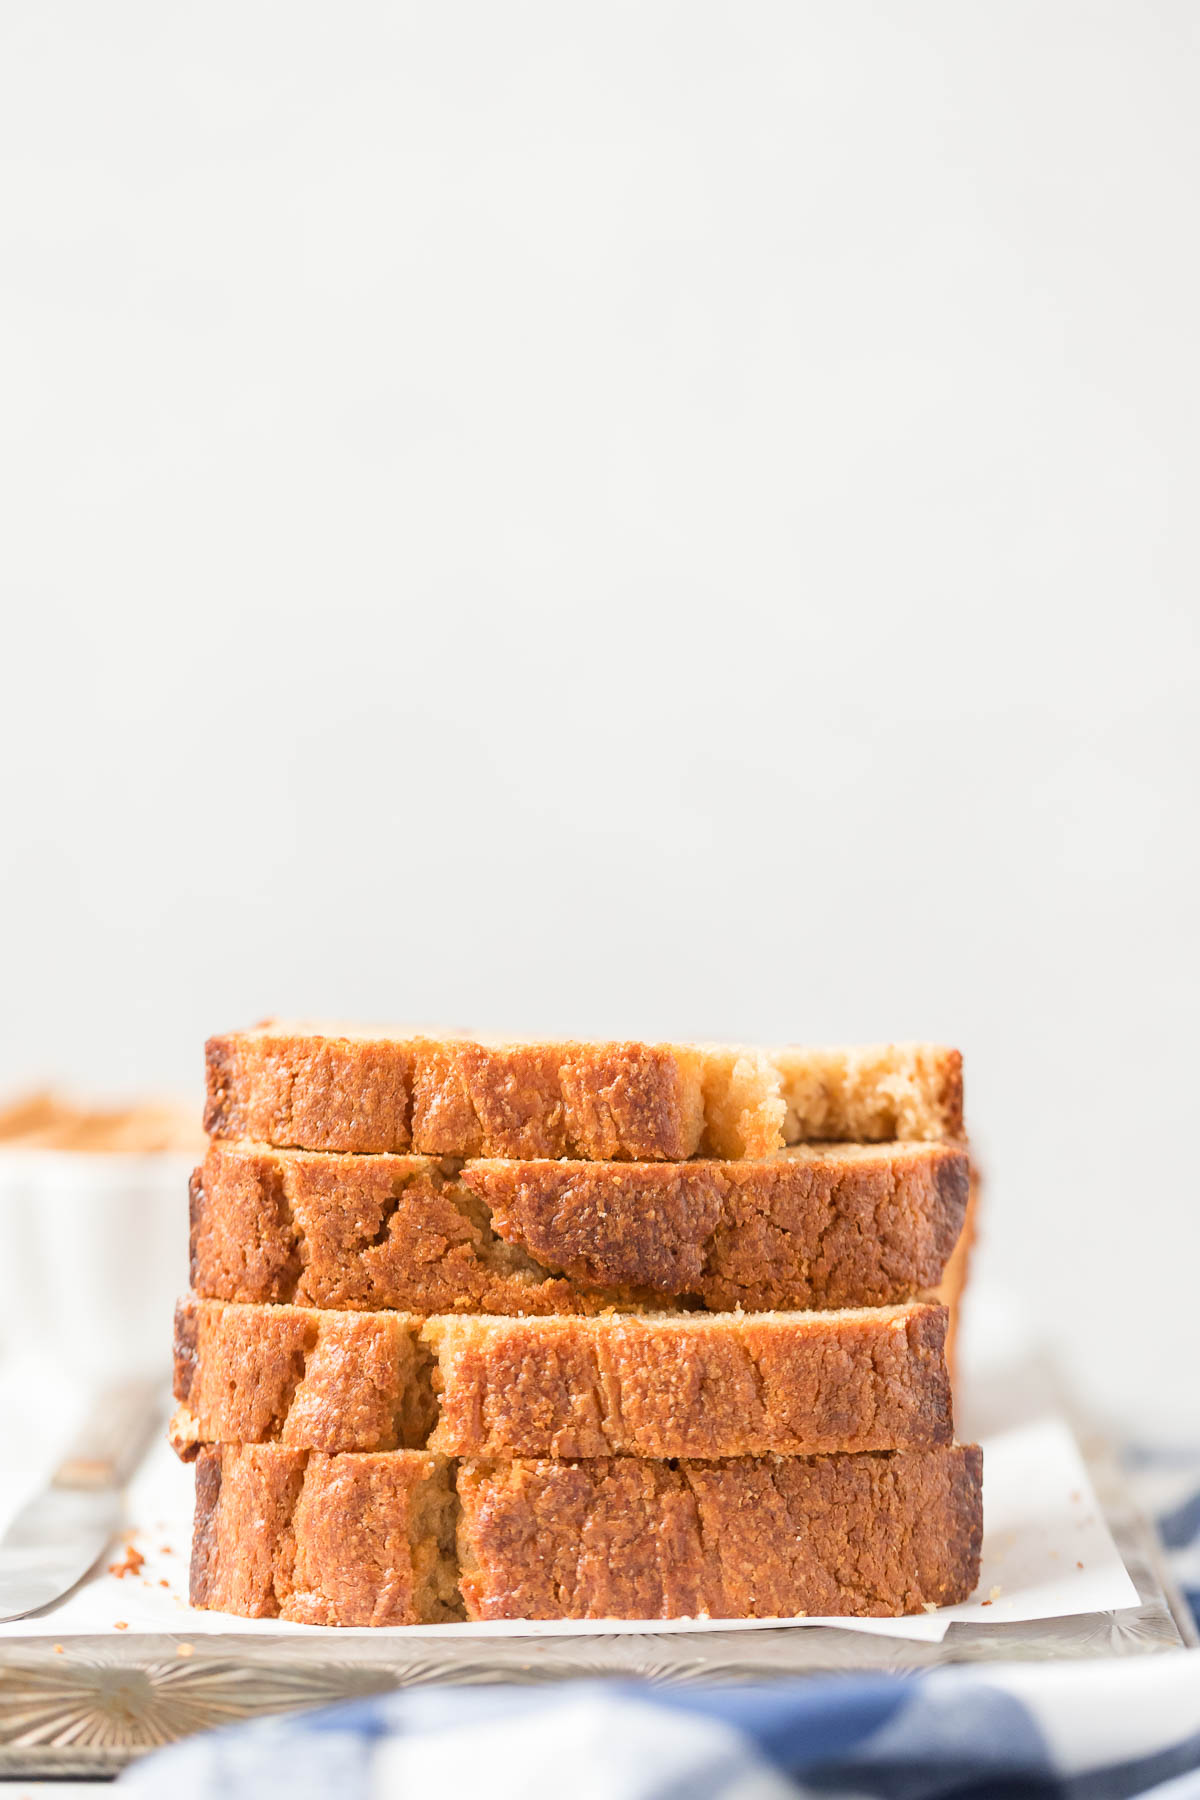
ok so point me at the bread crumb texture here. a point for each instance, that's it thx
(818, 1226)
(324, 1087)
(405, 1537)
(695, 1385)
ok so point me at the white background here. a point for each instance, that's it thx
(640, 519)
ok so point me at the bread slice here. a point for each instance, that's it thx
(759, 1537)
(371, 1539)
(326, 1087)
(683, 1384)
(325, 1540)
(818, 1226)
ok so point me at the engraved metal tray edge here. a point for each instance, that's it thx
(102, 1700)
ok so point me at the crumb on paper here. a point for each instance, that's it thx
(120, 1624)
(165, 1550)
(59, 1651)
(985, 1603)
(163, 1582)
(994, 1593)
(1079, 1565)
(130, 1564)
(185, 1649)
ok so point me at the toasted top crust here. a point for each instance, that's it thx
(333, 1088)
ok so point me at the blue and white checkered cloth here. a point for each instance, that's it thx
(1167, 1486)
(1108, 1728)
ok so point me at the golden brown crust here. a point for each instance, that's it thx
(820, 1226)
(361, 1233)
(322, 1088)
(331, 1093)
(245, 1498)
(598, 1101)
(369, 1539)
(304, 1379)
(698, 1385)
(324, 1540)
(453, 1097)
(760, 1538)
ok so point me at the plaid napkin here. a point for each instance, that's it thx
(1166, 1485)
(1109, 1729)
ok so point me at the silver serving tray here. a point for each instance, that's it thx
(103, 1700)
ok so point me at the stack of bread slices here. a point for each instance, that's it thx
(517, 1330)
